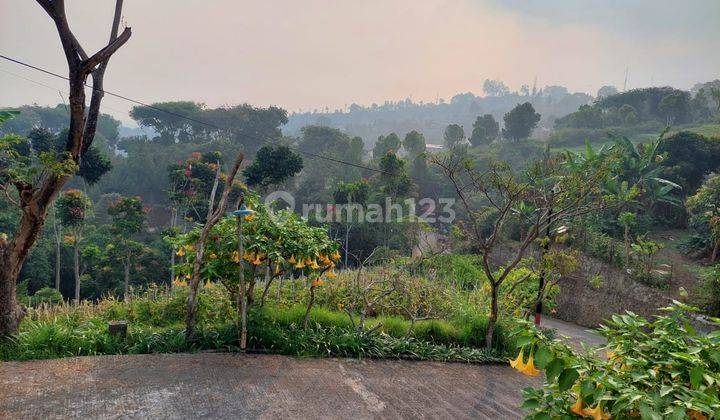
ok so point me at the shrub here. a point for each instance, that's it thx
(654, 369)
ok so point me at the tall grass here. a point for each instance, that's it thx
(155, 327)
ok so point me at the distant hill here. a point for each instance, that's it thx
(372, 121)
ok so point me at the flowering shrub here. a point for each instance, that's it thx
(654, 369)
(282, 242)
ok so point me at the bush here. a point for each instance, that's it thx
(654, 369)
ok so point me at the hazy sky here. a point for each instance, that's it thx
(316, 53)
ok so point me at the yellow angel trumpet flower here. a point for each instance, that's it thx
(577, 408)
(308, 261)
(248, 256)
(235, 257)
(300, 264)
(335, 255)
(317, 283)
(331, 274)
(314, 265)
(292, 259)
(257, 261)
(180, 252)
(529, 368)
(518, 363)
(249, 217)
(596, 413)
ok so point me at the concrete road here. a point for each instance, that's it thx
(213, 385)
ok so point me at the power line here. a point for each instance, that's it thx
(137, 102)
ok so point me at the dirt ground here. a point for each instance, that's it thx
(214, 385)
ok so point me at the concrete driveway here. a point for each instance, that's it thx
(215, 385)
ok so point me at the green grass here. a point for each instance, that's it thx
(80, 332)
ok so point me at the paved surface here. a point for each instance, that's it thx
(213, 385)
(575, 335)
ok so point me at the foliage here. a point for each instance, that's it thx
(454, 135)
(654, 369)
(72, 206)
(272, 166)
(704, 209)
(384, 145)
(485, 130)
(282, 241)
(155, 317)
(128, 216)
(520, 122)
(690, 157)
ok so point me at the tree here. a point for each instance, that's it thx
(607, 91)
(214, 214)
(557, 192)
(520, 122)
(687, 158)
(453, 135)
(495, 88)
(485, 130)
(349, 194)
(128, 218)
(675, 107)
(35, 195)
(414, 144)
(386, 144)
(704, 208)
(272, 166)
(169, 119)
(72, 209)
(715, 94)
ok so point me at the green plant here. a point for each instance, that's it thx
(654, 369)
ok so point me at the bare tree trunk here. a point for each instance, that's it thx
(212, 219)
(492, 319)
(242, 307)
(56, 232)
(347, 240)
(714, 255)
(311, 301)
(34, 199)
(173, 223)
(76, 268)
(126, 294)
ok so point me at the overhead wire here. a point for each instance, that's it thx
(185, 117)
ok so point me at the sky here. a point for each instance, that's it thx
(309, 54)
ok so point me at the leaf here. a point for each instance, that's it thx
(543, 356)
(567, 379)
(647, 413)
(531, 404)
(696, 375)
(665, 390)
(553, 369)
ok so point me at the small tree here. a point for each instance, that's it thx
(128, 217)
(453, 135)
(485, 130)
(558, 193)
(386, 144)
(627, 220)
(273, 165)
(520, 122)
(73, 207)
